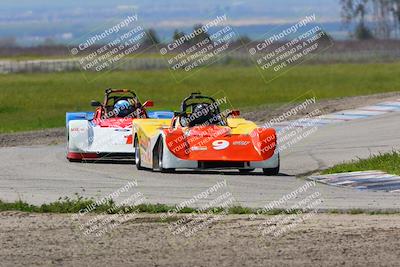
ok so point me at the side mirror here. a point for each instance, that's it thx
(235, 113)
(94, 103)
(148, 103)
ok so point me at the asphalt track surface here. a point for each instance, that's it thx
(40, 174)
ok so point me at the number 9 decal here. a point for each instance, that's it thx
(220, 144)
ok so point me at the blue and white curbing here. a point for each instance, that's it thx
(362, 180)
(345, 115)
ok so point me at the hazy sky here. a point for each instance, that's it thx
(153, 11)
(34, 20)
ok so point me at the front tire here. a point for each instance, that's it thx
(138, 160)
(159, 158)
(68, 158)
(273, 171)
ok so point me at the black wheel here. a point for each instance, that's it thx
(160, 153)
(245, 170)
(74, 160)
(273, 171)
(137, 154)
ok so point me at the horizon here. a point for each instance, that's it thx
(33, 22)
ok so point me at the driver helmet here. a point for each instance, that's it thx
(123, 108)
(203, 114)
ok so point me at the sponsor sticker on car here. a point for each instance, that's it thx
(199, 148)
(241, 143)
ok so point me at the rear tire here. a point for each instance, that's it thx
(273, 171)
(159, 158)
(138, 160)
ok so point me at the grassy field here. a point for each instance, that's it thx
(36, 101)
(388, 162)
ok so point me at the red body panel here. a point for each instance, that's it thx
(121, 123)
(111, 122)
(216, 143)
(73, 155)
(116, 123)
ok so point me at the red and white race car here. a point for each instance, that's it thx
(107, 132)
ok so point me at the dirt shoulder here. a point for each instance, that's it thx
(42, 137)
(262, 114)
(322, 240)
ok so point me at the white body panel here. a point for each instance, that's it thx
(87, 138)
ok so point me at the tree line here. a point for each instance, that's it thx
(367, 19)
(178, 34)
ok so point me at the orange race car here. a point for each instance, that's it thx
(200, 136)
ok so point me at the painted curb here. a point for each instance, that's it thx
(362, 180)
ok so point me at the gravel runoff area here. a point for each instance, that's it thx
(42, 137)
(262, 114)
(29, 239)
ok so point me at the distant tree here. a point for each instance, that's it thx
(200, 34)
(151, 37)
(360, 11)
(177, 35)
(48, 41)
(395, 10)
(385, 16)
(8, 42)
(355, 10)
(244, 39)
(382, 17)
(362, 33)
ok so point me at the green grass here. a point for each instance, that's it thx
(78, 203)
(68, 205)
(388, 162)
(37, 101)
